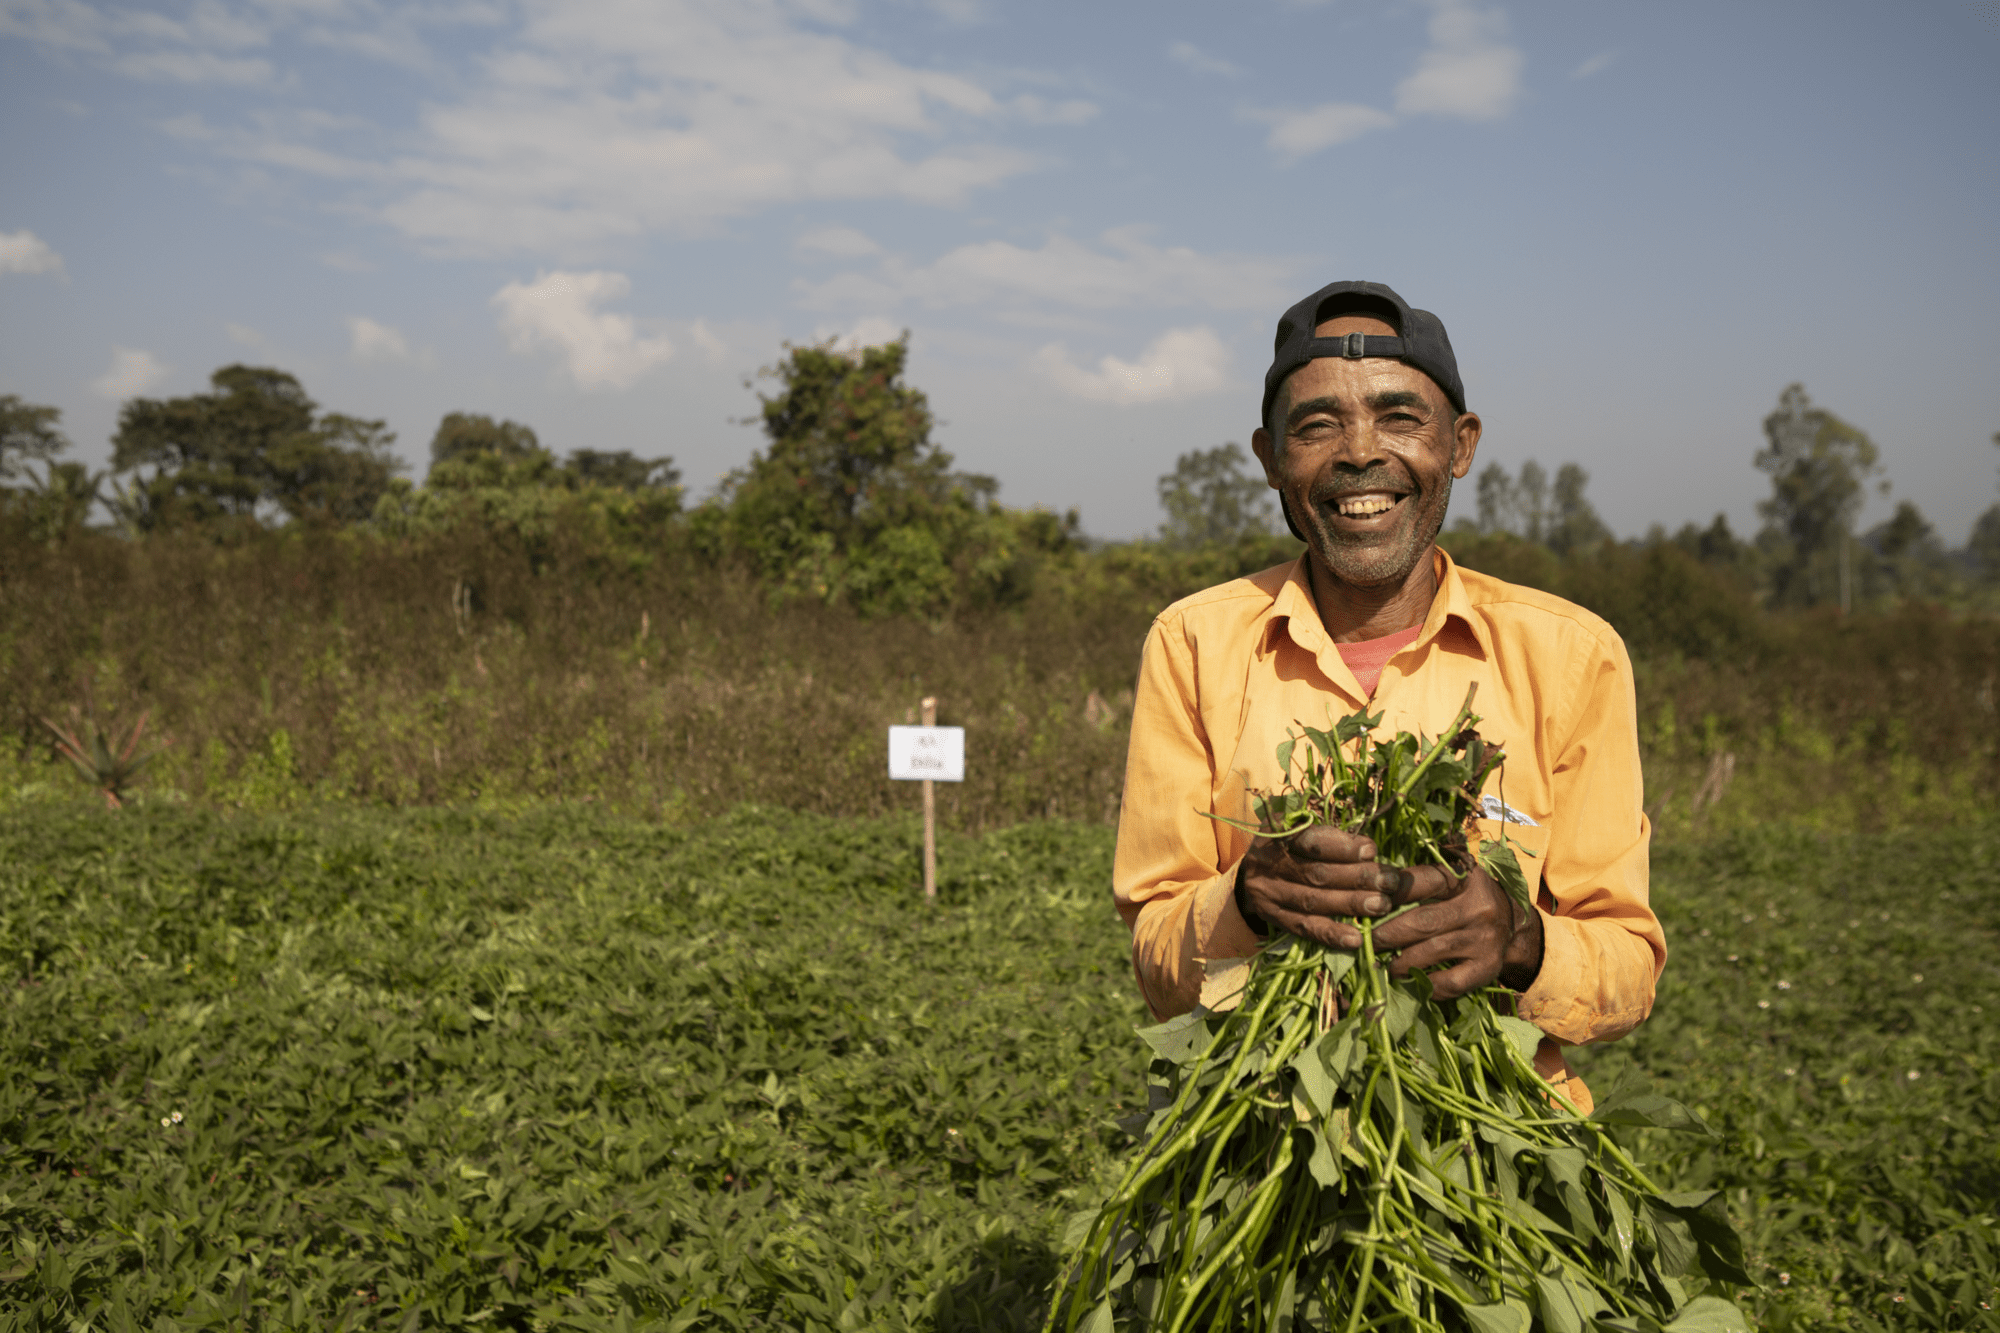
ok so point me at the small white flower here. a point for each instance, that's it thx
(1784, 985)
(1732, 958)
(1917, 977)
(1763, 1004)
(1913, 1076)
(1789, 1073)
(1784, 1279)
(166, 1122)
(177, 1117)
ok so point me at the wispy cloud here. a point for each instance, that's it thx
(1307, 130)
(1124, 271)
(132, 373)
(25, 252)
(1467, 72)
(1198, 60)
(835, 243)
(1180, 363)
(1596, 64)
(369, 341)
(558, 312)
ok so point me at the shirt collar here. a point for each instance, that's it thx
(1451, 607)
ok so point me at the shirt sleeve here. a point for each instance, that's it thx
(1175, 875)
(1603, 947)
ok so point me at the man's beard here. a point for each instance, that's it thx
(1377, 561)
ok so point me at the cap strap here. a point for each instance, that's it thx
(1352, 346)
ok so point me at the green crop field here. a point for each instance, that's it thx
(563, 1069)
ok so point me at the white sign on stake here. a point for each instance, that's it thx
(927, 754)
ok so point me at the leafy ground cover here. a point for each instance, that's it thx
(401, 1069)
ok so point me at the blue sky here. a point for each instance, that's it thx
(1638, 222)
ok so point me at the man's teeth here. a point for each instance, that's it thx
(1362, 506)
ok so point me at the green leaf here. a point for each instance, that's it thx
(1318, 1085)
(1098, 1320)
(1674, 1238)
(1652, 1109)
(1525, 1036)
(1285, 748)
(1404, 1005)
(1077, 1229)
(1324, 1164)
(1621, 1222)
(1566, 1166)
(1181, 1039)
(1567, 1306)
(1497, 857)
(1496, 1318)
(1706, 1214)
(1709, 1314)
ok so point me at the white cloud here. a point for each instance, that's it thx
(1300, 133)
(132, 373)
(1040, 111)
(1128, 271)
(839, 242)
(558, 311)
(1469, 72)
(369, 341)
(1180, 363)
(25, 252)
(1596, 64)
(714, 348)
(1198, 60)
(872, 331)
(620, 118)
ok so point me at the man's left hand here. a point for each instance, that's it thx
(1468, 922)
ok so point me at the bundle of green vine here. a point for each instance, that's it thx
(1341, 1150)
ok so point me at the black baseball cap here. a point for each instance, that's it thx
(1421, 342)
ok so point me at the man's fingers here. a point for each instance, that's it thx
(1321, 930)
(1323, 842)
(1269, 895)
(1474, 960)
(1310, 866)
(1426, 884)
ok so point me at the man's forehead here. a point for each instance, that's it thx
(1353, 384)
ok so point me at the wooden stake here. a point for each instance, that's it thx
(930, 815)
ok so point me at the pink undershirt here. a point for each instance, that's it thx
(1367, 658)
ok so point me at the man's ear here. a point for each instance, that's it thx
(1464, 444)
(1261, 445)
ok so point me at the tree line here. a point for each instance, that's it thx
(850, 500)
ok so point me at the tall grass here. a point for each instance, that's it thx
(310, 665)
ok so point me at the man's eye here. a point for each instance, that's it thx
(1312, 430)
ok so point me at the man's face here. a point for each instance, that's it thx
(1365, 459)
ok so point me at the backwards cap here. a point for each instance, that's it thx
(1422, 343)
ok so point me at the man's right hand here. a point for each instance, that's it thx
(1299, 884)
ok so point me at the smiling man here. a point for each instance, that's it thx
(1364, 430)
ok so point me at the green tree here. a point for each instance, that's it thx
(850, 498)
(1903, 557)
(1819, 466)
(1212, 498)
(1984, 548)
(252, 441)
(621, 470)
(1519, 506)
(1573, 524)
(460, 434)
(27, 432)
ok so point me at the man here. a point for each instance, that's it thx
(1364, 430)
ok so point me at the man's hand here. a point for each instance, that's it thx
(1300, 884)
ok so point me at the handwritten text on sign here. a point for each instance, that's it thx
(936, 754)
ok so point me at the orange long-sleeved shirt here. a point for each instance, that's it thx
(1227, 671)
